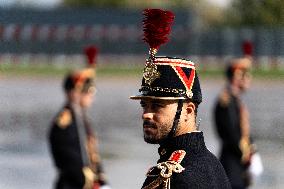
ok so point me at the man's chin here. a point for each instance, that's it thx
(151, 140)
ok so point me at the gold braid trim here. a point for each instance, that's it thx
(167, 169)
(157, 182)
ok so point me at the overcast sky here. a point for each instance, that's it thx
(52, 3)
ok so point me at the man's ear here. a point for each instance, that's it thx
(190, 108)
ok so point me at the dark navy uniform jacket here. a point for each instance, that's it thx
(66, 151)
(227, 121)
(201, 169)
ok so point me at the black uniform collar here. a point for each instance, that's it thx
(191, 143)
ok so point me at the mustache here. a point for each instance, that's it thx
(149, 124)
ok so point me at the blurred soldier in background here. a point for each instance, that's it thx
(232, 123)
(72, 141)
(170, 95)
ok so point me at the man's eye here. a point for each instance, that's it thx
(143, 105)
(158, 105)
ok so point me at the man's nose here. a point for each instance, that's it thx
(147, 115)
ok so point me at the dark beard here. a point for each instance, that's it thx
(155, 139)
(151, 140)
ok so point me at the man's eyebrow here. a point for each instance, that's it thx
(154, 101)
(159, 102)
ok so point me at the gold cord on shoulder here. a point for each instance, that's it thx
(167, 169)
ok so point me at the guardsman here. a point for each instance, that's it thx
(169, 96)
(73, 143)
(232, 123)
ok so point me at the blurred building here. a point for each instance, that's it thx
(65, 31)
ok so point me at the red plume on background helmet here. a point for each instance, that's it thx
(247, 48)
(91, 53)
(157, 26)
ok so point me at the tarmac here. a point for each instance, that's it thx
(28, 106)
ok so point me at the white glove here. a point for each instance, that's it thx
(105, 187)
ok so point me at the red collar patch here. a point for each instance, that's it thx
(177, 156)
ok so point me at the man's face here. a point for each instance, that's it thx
(158, 117)
(244, 79)
(87, 99)
(73, 96)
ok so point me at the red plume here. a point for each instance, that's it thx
(157, 26)
(247, 48)
(91, 53)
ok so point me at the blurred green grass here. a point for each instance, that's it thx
(117, 71)
(52, 71)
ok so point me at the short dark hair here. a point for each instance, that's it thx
(68, 83)
(71, 81)
(230, 72)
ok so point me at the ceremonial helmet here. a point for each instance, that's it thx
(166, 77)
(83, 80)
(244, 63)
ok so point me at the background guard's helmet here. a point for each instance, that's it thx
(243, 64)
(83, 81)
